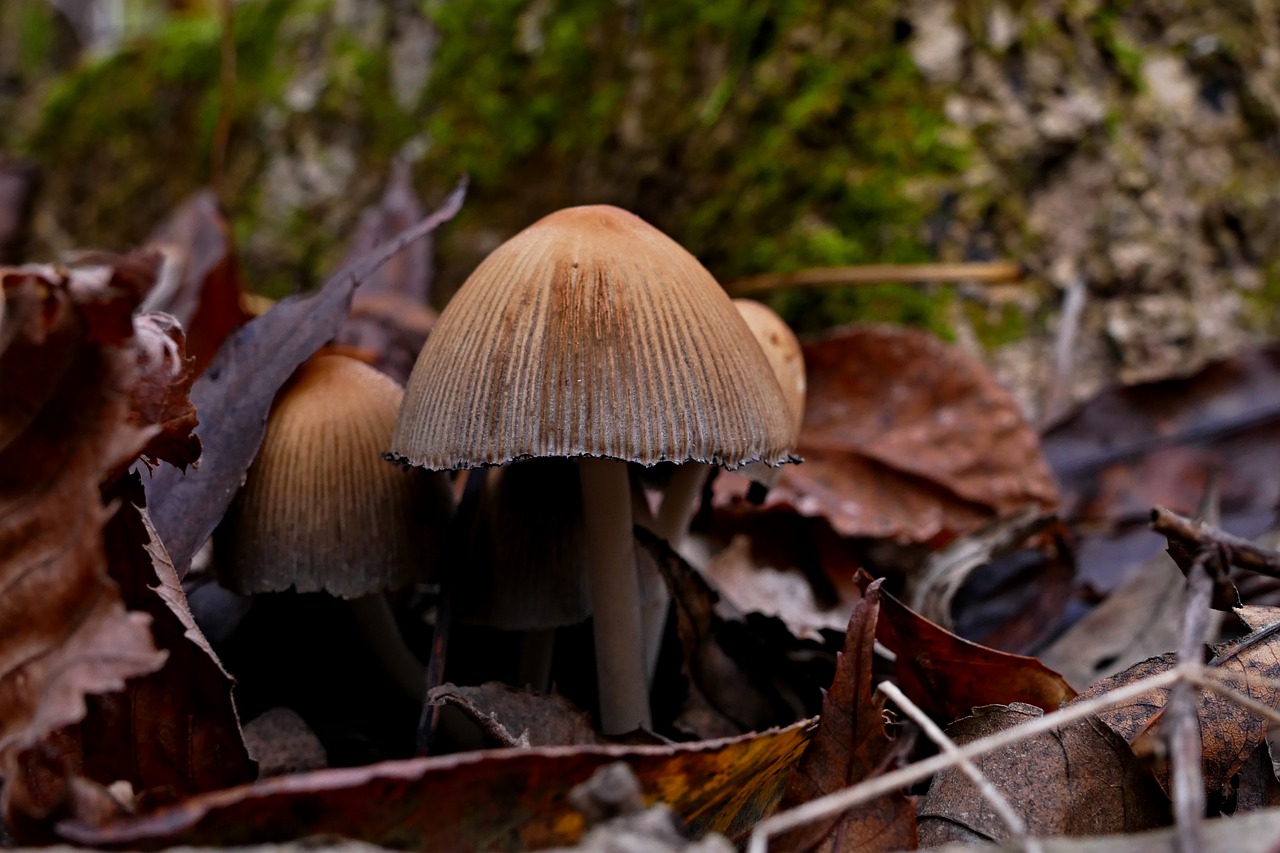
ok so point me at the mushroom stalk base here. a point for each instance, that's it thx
(378, 625)
(615, 595)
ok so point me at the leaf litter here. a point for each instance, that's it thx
(920, 453)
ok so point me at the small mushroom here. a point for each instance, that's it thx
(592, 335)
(320, 512)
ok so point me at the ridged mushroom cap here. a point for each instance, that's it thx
(320, 510)
(591, 333)
(783, 350)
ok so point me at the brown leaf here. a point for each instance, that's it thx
(1080, 779)
(909, 438)
(508, 799)
(739, 674)
(1256, 787)
(234, 395)
(66, 371)
(507, 716)
(1160, 444)
(201, 286)
(1229, 733)
(947, 675)
(161, 395)
(172, 733)
(850, 746)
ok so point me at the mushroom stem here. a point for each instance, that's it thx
(378, 625)
(536, 648)
(615, 595)
(679, 500)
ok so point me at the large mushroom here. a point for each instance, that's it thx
(321, 512)
(593, 335)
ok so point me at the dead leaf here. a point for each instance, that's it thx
(850, 746)
(67, 366)
(508, 716)
(1080, 779)
(161, 395)
(507, 799)
(172, 733)
(947, 675)
(908, 438)
(1229, 734)
(1159, 444)
(740, 677)
(1256, 787)
(234, 395)
(201, 282)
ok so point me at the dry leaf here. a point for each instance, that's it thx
(508, 716)
(908, 438)
(508, 799)
(1229, 734)
(947, 675)
(67, 367)
(851, 746)
(201, 282)
(1080, 779)
(174, 732)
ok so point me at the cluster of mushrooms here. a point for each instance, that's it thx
(588, 341)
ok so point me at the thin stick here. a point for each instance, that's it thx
(1197, 534)
(1017, 827)
(833, 804)
(994, 272)
(1186, 778)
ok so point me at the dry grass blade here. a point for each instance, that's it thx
(992, 272)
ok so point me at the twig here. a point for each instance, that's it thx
(1184, 722)
(1197, 534)
(1017, 826)
(833, 804)
(993, 272)
(1065, 350)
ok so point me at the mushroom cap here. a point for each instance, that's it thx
(320, 510)
(782, 348)
(591, 333)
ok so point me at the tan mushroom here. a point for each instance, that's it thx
(321, 512)
(592, 335)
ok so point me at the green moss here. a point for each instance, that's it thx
(773, 135)
(997, 325)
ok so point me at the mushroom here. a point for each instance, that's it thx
(592, 335)
(320, 512)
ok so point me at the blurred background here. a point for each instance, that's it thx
(1123, 151)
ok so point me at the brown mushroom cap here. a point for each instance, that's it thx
(591, 333)
(783, 351)
(320, 510)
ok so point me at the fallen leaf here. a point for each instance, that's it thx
(850, 746)
(1256, 787)
(67, 364)
(508, 716)
(234, 395)
(174, 732)
(1229, 733)
(506, 799)
(947, 675)
(160, 397)
(739, 667)
(1079, 779)
(1159, 444)
(908, 438)
(201, 282)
